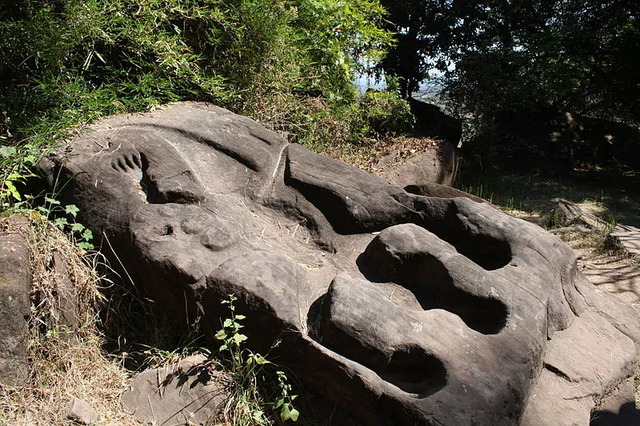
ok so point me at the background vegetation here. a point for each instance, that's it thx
(571, 55)
(289, 64)
(540, 83)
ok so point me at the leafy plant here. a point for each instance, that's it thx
(285, 400)
(9, 194)
(12, 200)
(69, 62)
(78, 231)
(14, 173)
(250, 375)
(381, 114)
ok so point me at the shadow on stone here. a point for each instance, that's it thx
(627, 416)
(414, 371)
(431, 283)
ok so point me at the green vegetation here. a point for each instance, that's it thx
(570, 55)
(543, 85)
(288, 64)
(252, 375)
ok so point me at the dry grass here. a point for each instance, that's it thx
(366, 157)
(66, 361)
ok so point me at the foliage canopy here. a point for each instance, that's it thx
(569, 55)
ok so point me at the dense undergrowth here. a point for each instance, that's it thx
(288, 64)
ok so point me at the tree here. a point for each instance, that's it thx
(569, 55)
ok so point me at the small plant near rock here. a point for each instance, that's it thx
(246, 404)
(13, 174)
(81, 235)
(13, 201)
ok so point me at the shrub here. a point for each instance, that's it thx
(383, 114)
(67, 62)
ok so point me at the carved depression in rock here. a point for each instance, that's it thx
(400, 308)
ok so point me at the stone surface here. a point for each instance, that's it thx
(440, 191)
(582, 365)
(15, 284)
(81, 411)
(187, 392)
(437, 164)
(399, 307)
(629, 237)
(565, 213)
(66, 305)
(616, 409)
(434, 122)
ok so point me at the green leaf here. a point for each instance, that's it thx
(71, 209)
(30, 159)
(85, 245)
(7, 151)
(77, 227)
(51, 200)
(227, 323)
(285, 414)
(60, 222)
(294, 414)
(238, 338)
(221, 335)
(240, 317)
(87, 234)
(278, 403)
(100, 57)
(12, 190)
(260, 359)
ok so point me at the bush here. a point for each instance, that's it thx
(383, 114)
(69, 61)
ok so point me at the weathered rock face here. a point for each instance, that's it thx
(437, 164)
(184, 393)
(401, 308)
(15, 283)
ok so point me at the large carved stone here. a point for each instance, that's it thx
(398, 307)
